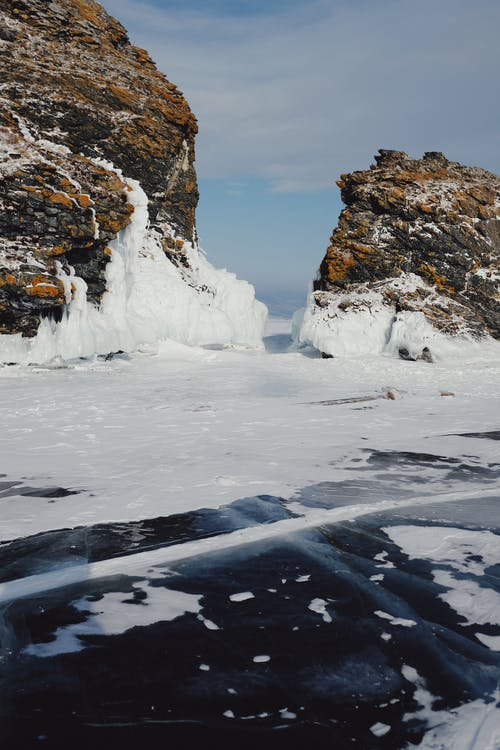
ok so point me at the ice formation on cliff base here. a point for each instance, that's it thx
(363, 323)
(147, 299)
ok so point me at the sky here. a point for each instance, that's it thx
(291, 93)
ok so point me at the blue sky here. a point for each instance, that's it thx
(290, 93)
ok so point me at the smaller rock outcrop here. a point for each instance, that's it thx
(415, 258)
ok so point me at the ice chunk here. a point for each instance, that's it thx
(242, 596)
(379, 729)
(319, 606)
(395, 620)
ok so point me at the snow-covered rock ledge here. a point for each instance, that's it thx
(362, 323)
(148, 299)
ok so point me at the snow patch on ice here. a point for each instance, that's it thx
(379, 729)
(286, 714)
(466, 550)
(471, 726)
(477, 604)
(492, 641)
(242, 597)
(115, 613)
(456, 552)
(381, 557)
(319, 606)
(209, 624)
(395, 620)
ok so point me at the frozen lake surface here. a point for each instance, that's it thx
(254, 546)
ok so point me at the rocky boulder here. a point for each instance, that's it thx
(415, 257)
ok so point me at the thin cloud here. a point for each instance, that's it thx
(298, 96)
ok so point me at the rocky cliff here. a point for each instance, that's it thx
(83, 114)
(416, 253)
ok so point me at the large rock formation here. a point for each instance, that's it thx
(82, 112)
(416, 253)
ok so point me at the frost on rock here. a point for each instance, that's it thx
(147, 299)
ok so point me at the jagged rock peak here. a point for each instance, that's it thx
(76, 100)
(416, 236)
(388, 157)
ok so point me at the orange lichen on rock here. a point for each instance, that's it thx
(337, 263)
(84, 201)
(483, 194)
(7, 278)
(142, 56)
(62, 199)
(88, 10)
(125, 96)
(56, 250)
(433, 277)
(113, 225)
(41, 286)
(31, 189)
(426, 208)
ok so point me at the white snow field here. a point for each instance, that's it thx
(178, 428)
(158, 433)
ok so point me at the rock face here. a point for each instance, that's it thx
(79, 103)
(418, 245)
